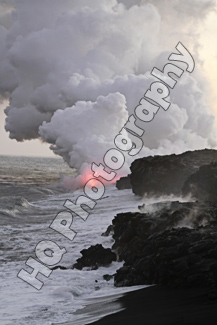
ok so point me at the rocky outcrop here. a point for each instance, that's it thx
(176, 245)
(165, 175)
(95, 256)
(108, 277)
(124, 183)
(202, 185)
(109, 231)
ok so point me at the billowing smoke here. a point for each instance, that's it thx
(74, 70)
(86, 130)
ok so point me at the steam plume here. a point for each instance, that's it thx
(74, 70)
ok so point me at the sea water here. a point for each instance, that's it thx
(31, 195)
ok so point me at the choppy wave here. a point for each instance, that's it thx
(20, 206)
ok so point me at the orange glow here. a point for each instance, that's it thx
(87, 175)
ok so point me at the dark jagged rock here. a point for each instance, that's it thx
(108, 277)
(175, 246)
(109, 231)
(58, 267)
(124, 183)
(165, 175)
(203, 184)
(94, 257)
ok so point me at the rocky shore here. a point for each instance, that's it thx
(165, 175)
(176, 245)
(170, 244)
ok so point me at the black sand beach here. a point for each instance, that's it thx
(159, 305)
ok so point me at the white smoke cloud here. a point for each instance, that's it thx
(73, 141)
(74, 70)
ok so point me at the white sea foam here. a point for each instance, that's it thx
(65, 291)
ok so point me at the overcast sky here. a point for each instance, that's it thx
(87, 49)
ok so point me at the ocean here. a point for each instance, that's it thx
(32, 193)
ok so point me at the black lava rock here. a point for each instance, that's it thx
(94, 257)
(124, 183)
(202, 185)
(175, 246)
(109, 231)
(165, 175)
(108, 277)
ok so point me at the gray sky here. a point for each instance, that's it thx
(52, 75)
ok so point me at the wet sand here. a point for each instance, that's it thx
(158, 305)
